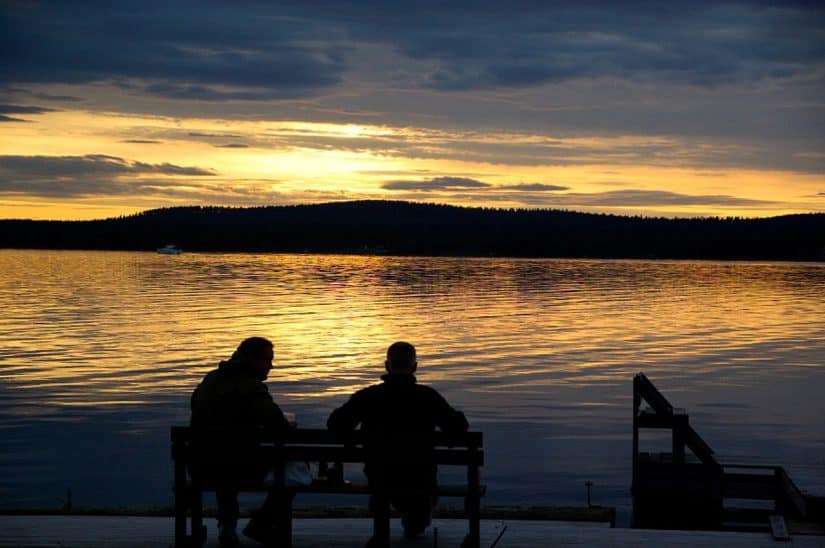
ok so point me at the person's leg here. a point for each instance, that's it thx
(272, 522)
(416, 513)
(228, 512)
(379, 506)
(228, 509)
(416, 506)
(276, 511)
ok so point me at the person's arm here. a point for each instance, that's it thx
(447, 418)
(266, 411)
(347, 417)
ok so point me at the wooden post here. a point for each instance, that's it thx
(473, 500)
(179, 490)
(637, 401)
(680, 423)
(284, 519)
(284, 508)
(196, 504)
(634, 473)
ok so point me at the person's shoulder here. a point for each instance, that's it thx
(369, 390)
(247, 384)
(210, 378)
(369, 394)
(428, 391)
(425, 387)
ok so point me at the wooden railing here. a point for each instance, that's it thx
(695, 491)
(662, 414)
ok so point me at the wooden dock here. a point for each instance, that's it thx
(145, 532)
(692, 487)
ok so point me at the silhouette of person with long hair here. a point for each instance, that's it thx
(229, 408)
(398, 418)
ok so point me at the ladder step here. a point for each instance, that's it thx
(745, 526)
(779, 530)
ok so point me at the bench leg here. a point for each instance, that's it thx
(472, 506)
(181, 494)
(380, 508)
(284, 525)
(180, 518)
(198, 528)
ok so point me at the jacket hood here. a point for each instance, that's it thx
(238, 367)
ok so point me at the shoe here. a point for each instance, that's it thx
(468, 542)
(413, 528)
(262, 532)
(227, 536)
(414, 531)
(375, 542)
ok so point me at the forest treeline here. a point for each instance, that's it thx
(404, 228)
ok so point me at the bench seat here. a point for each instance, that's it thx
(349, 488)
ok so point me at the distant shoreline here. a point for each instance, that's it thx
(385, 228)
(345, 253)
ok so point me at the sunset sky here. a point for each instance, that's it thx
(652, 108)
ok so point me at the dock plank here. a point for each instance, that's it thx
(139, 532)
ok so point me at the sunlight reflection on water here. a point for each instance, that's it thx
(99, 352)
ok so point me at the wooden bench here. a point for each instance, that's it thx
(324, 446)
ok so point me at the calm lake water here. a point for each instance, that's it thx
(99, 352)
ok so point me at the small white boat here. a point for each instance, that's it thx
(170, 249)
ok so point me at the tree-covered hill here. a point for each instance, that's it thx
(431, 229)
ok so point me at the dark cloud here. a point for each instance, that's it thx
(45, 96)
(82, 175)
(632, 198)
(535, 150)
(214, 135)
(614, 199)
(21, 109)
(387, 172)
(74, 188)
(736, 82)
(640, 198)
(78, 176)
(211, 51)
(454, 183)
(534, 187)
(528, 43)
(821, 194)
(204, 93)
(232, 145)
(540, 194)
(141, 141)
(183, 50)
(437, 183)
(59, 98)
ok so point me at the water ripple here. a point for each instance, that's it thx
(538, 353)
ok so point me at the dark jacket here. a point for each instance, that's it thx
(396, 417)
(229, 408)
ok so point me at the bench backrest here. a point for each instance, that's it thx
(316, 444)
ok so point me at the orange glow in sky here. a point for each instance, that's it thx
(259, 163)
(520, 106)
